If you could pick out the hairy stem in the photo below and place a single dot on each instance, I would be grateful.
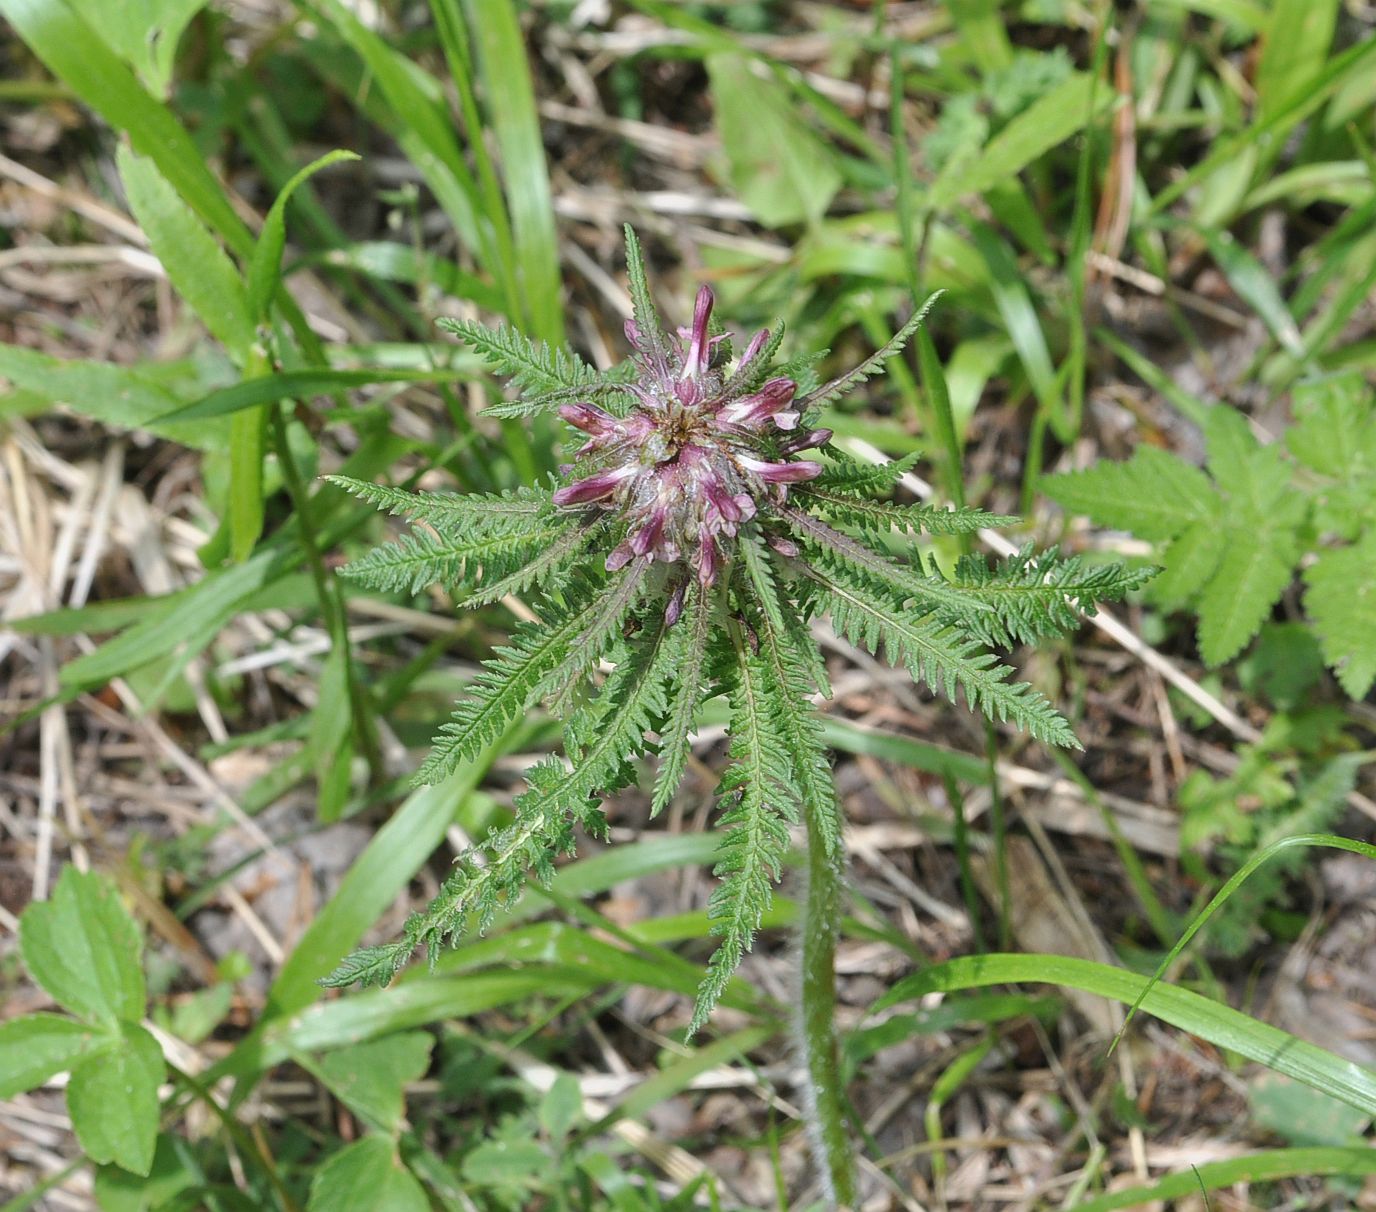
(823, 1095)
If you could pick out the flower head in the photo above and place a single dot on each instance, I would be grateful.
(699, 452)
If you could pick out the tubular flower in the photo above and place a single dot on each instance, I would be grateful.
(698, 453)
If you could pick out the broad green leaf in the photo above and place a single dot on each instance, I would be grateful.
(777, 164)
(173, 1171)
(113, 1101)
(511, 1166)
(1051, 119)
(329, 742)
(114, 395)
(265, 269)
(1334, 435)
(1201, 1016)
(266, 388)
(366, 1176)
(408, 1003)
(144, 33)
(561, 1107)
(1301, 1114)
(1154, 494)
(85, 950)
(37, 1046)
(371, 1077)
(1255, 477)
(196, 613)
(196, 264)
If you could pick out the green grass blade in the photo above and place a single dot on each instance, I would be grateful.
(1271, 1166)
(265, 269)
(1239, 878)
(510, 97)
(1342, 1079)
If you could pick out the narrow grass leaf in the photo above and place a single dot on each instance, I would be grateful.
(1210, 1020)
(265, 268)
(1268, 1167)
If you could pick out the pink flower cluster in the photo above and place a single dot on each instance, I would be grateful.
(691, 461)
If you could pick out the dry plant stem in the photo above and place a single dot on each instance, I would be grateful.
(823, 1096)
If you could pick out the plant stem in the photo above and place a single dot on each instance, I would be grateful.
(823, 1093)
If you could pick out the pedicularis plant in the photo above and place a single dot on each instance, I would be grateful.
(688, 544)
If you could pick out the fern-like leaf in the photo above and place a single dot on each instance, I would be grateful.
(935, 652)
(1035, 594)
(613, 607)
(872, 365)
(645, 317)
(829, 544)
(751, 376)
(676, 740)
(788, 677)
(513, 355)
(882, 517)
(518, 508)
(487, 879)
(846, 474)
(462, 564)
(758, 785)
(509, 684)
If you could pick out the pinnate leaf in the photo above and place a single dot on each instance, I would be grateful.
(1154, 494)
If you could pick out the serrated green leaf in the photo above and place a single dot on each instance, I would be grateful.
(1334, 435)
(113, 1101)
(1341, 602)
(1249, 580)
(1255, 477)
(85, 950)
(196, 264)
(1154, 494)
(35, 1047)
(367, 1176)
(1190, 560)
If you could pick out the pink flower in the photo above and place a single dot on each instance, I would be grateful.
(595, 487)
